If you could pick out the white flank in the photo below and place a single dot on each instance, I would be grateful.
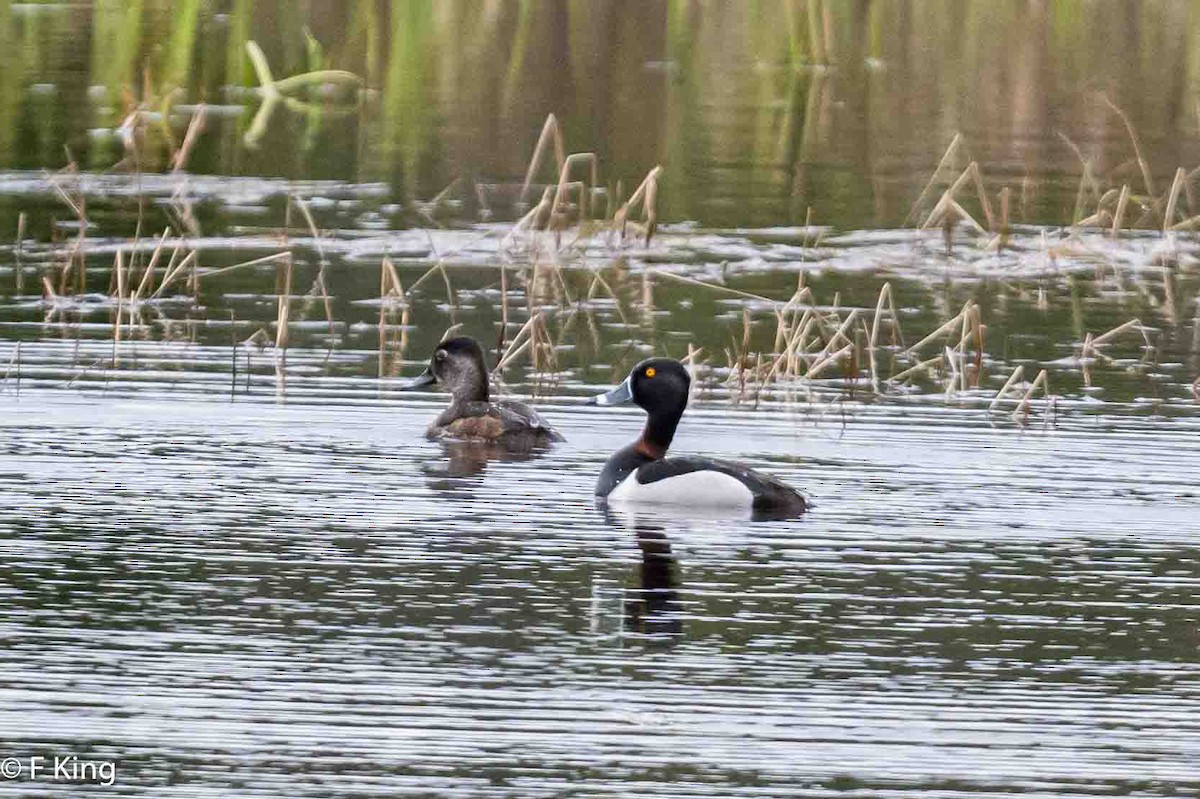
(703, 488)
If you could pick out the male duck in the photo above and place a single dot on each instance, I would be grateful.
(457, 363)
(640, 472)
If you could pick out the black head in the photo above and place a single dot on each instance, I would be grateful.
(457, 364)
(660, 387)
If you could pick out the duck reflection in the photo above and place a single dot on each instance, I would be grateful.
(465, 459)
(653, 608)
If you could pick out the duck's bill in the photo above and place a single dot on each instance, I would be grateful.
(619, 395)
(426, 378)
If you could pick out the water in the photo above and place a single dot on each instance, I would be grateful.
(239, 569)
(229, 606)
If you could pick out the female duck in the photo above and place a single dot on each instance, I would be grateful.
(457, 364)
(641, 473)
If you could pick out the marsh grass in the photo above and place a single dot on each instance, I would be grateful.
(583, 242)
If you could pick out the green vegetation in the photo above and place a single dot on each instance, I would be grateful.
(780, 105)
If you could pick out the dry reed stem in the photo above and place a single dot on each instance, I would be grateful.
(312, 225)
(1191, 223)
(941, 213)
(1041, 381)
(319, 285)
(387, 270)
(148, 275)
(513, 353)
(19, 274)
(980, 330)
(786, 361)
(745, 346)
(170, 276)
(551, 133)
(557, 216)
(690, 361)
(1169, 294)
(542, 332)
(1173, 199)
(781, 330)
(424, 275)
(981, 192)
(14, 361)
(920, 367)
(429, 209)
(645, 194)
(76, 208)
(943, 329)
(650, 206)
(1119, 329)
(872, 365)
(951, 151)
(953, 359)
(840, 332)
(1137, 149)
(1119, 215)
(885, 296)
(961, 180)
(530, 221)
(964, 216)
(503, 332)
(383, 308)
(195, 128)
(961, 349)
(390, 290)
(172, 262)
(518, 343)
(1100, 219)
(598, 278)
(266, 259)
(1087, 179)
(449, 289)
(830, 359)
(284, 309)
(937, 214)
(1012, 380)
(119, 267)
(1085, 359)
(716, 287)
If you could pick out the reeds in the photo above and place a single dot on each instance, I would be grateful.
(18, 257)
(798, 346)
(276, 92)
(572, 200)
(391, 298)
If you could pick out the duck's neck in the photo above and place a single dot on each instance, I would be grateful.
(473, 390)
(658, 433)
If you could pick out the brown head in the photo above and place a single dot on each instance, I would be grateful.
(457, 364)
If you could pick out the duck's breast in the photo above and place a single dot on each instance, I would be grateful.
(472, 428)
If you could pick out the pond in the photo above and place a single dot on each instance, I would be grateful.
(933, 264)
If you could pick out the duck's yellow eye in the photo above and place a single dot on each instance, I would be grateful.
(651, 372)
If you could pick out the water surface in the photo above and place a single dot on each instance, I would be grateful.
(299, 600)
